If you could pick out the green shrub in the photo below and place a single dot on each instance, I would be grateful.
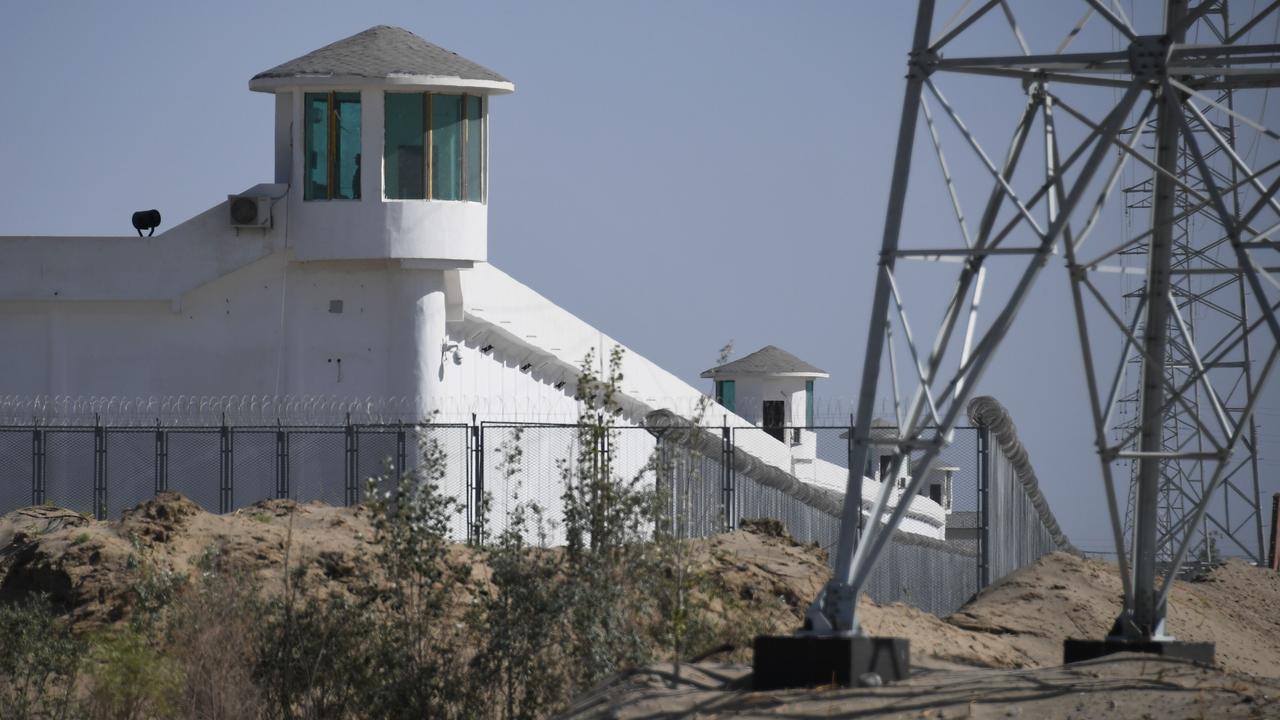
(211, 632)
(39, 662)
(517, 671)
(313, 660)
(130, 680)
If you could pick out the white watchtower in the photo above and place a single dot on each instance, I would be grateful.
(770, 388)
(382, 141)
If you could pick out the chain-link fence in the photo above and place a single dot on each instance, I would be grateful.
(977, 517)
(932, 563)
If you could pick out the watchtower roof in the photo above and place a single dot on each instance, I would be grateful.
(383, 54)
(768, 360)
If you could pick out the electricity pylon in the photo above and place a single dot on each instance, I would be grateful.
(1211, 303)
(1091, 106)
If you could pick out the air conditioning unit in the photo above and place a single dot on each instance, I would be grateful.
(249, 211)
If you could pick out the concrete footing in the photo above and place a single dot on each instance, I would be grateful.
(801, 661)
(1079, 650)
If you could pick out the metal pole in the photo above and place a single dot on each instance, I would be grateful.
(984, 508)
(282, 461)
(349, 464)
(477, 499)
(37, 465)
(401, 452)
(99, 470)
(919, 66)
(1274, 558)
(726, 475)
(1155, 340)
(224, 467)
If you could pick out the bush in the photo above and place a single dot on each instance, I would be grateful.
(39, 662)
(212, 635)
(518, 620)
(393, 649)
(313, 661)
(130, 680)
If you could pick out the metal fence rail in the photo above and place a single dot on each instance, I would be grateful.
(712, 478)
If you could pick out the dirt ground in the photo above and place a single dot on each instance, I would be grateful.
(1120, 686)
(999, 654)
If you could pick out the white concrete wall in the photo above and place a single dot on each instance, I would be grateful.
(750, 392)
(924, 517)
(164, 267)
(264, 329)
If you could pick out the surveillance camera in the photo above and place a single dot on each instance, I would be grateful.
(446, 348)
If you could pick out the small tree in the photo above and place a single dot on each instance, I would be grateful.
(519, 620)
(39, 662)
(418, 648)
(681, 589)
(607, 519)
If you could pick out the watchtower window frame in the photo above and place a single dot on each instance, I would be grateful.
(453, 132)
(323, 134)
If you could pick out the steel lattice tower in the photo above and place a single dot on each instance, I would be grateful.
(1096, 95)
(1218, 303)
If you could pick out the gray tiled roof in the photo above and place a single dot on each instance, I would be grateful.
(768, 360)
(379, 52)
(881, 429)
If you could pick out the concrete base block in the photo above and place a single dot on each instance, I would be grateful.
(1078, 650)
(797, 661)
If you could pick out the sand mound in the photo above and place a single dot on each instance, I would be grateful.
(764, 581)
(1063, 596)
(1014, 630)
(88, 568)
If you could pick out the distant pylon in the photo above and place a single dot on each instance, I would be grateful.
(1212, 305)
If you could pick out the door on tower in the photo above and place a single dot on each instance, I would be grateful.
(775, 418)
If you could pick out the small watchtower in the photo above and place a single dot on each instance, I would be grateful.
(770, 388)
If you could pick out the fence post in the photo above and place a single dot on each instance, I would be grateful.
(351, 455)
(1275, 532)
(848, 449)
(37, 465)
(475, 499)
(662, 483)
(401, 465)
(984, 508)
(225, 499)
(282, 461)
(727, 475)
(162, 459)
(99, 469)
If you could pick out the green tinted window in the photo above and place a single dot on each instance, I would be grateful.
(331, 168)
(446, 147)
(315, 170)
(725, 391)
(808, 403)
(404, 165)
(475, 148)
(346, 151)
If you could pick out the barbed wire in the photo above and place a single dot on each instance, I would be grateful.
(202, 410)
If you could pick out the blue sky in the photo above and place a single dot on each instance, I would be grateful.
(679, 174)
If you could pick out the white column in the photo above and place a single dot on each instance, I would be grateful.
(417, 336)
(372, 111)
